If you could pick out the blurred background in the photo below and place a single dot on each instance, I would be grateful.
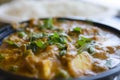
(104, 11)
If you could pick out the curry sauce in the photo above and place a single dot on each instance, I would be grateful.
(51, 48)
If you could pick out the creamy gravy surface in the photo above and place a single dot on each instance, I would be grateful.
(53, 48)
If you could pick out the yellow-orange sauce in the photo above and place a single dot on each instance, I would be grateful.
(50, 49)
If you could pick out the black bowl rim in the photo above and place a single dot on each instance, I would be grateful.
(109, 73)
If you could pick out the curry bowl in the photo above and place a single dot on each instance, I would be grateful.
(59, 48)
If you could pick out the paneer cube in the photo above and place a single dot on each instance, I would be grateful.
(44, 68)
(80, 64)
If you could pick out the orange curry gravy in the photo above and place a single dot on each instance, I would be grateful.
(53, 48)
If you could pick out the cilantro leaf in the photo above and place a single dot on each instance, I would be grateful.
(13, 68)
(56, 38)
(40, 44)
(83, 40)
(62, 52)
(59, 40)
(47, 24)
(35, 45)
(91, 49)
(62, 49)
(55, 35)
(83, 48)
(77, 29)
(61, 46)
(2, 57)
(32, 46)
(21, 34)
(11, 43)
(84, 44)
(35, 36)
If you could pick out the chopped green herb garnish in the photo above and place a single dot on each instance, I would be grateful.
(62, 49)
(2, 57)
(35, 45)
(83, 48)
(61, 46)
(13, 68)
(32, 46)
(12, 43)
(62, 52)
(55, 35)
(62, 40)
(40, 44)
(83, 44)
(91, 49)
(21, 34)
(56, 38)
(47, 24)
(35, 36)
(77, 29)
(83, 41)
